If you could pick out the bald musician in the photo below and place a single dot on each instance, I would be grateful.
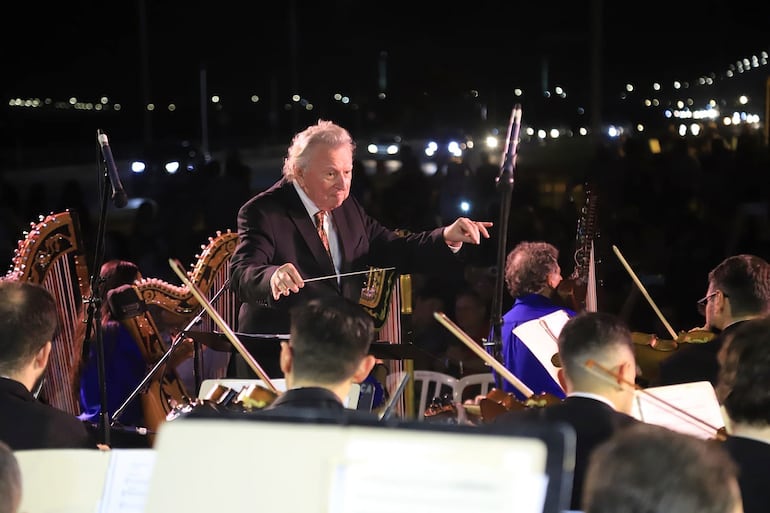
(596, 405)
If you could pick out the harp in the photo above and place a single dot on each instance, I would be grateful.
(151, 309)
(210, 273)
(52, 255)
(387, 298)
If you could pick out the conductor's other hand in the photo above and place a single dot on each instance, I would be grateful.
(466, 230)
(285, 280)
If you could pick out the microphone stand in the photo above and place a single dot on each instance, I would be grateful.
(174, 343)
(94, 313)
(504, 182)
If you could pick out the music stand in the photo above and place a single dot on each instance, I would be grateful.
(388, 351)
(215, 340)
(264, 348)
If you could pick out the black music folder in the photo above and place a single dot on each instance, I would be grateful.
(266, 351)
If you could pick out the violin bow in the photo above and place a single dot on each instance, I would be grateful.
(603, 372)
(644, 292)
(490, 360)
(176, 266)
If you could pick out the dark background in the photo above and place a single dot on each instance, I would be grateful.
(446, 65)
(415, 68)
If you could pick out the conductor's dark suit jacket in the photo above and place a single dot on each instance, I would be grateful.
(593, 421)
(274, 228)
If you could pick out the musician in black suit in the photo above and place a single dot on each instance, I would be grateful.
(279, 245)
(27, 325)
(328, 351)
(738, 290)
(743, 388)
(597, 404)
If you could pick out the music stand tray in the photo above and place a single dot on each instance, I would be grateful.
(388, 351)
(212, 339)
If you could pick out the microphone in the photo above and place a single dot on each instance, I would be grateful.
(119, 198)
(511, 144)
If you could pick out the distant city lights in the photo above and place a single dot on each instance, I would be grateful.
(650, 97)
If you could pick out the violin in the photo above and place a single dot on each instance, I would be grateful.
(650, 350)
(694, 336)
(496, 401)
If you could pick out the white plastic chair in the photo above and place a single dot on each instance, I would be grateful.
(430, 384)
(481, 382)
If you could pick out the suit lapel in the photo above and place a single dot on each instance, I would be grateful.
(306, 228)
(343, 228)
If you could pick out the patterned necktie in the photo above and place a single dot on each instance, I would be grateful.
(319, 224)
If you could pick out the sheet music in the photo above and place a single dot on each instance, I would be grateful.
(436, 485)
(542, 341)
(128, 481)
(698, 399)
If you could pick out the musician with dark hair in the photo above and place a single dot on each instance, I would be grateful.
(743, 388)
(327, 352)
(28, 320)
(738, 290)
(532, 274)
(651, 469)
(124, 364)
(307, 225)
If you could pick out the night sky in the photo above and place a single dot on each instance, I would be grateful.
(436, 51)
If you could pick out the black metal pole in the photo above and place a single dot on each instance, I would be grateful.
(504, 182)
(94, 318)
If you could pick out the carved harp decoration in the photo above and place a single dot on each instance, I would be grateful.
(387, 298)
(210, 272)
(52, 255)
